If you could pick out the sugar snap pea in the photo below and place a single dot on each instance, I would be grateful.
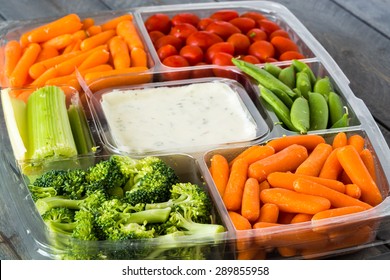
(300, 115)
(263, 77)
(343, 121)
(336, 110)
(303, 84)
(319, 112)
(323, 86)
(303, 67)
(279, 108)
(287, 100)
(287, 76)
(272, 68)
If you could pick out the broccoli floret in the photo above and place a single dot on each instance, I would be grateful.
(75, 184)
(190, 200)
(152, 183)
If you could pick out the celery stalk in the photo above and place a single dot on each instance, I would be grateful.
(80, 129)
(49, 130)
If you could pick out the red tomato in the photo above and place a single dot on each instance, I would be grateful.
(155, 35)
(190, 18)
(165, 51)
(256, 34)
(183, 30)
(202, 72)
(204, 22)
(244, 24)
(279, 32)
(222, 59)
(203, 39)
(262, 50)
(240, 42)
(256, 16)
(224, 15)
(193, 54)
(289, 55)
(176, 61)
(169, 40)
(160, 22)
(221, 47)
(223, 29)
(283, 44)
(251, 59)
(268, 26)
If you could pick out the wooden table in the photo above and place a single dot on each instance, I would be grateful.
(356, 34)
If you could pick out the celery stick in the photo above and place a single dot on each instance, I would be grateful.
(80, 129)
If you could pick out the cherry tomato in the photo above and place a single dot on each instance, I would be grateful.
(193, 54)
(224, 15)
(244, 24)
(262, 50)
(183, 30)
(155, 35)
(251, 59)
(176, 61)
(222, 59)
(279, 32)
(204, 22)
(169, 40)
(203, 39)
(283, 44)
(240, 42)
(201, 72)
(256, 16)
(190, 18)
(221, 47)
(165, 51)
(268, 26)
(289, 55)
(222, 28)
(256, 34)
(160, 22)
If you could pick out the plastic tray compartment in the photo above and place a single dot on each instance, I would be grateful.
(45, 246)
(313, 239)
(241, 102)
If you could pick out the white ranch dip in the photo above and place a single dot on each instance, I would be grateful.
(173, 118)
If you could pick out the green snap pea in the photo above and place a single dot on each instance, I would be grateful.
(343, 121)
(278, 107)
(303, 84)
(336, 110)
(297, 91)
(319, 111)
(303, 67)
(272, 68)
(300, 115)
(287, 100)
(323, 86)
(263, 77)
(287, 76)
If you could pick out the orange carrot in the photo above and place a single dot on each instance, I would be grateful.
(79, 35)
(219, 172)
(250, 206)
(336, 198)
(335, 212)
(264, 185)
(332, 167)
(113, 23)
(119, 52)
(285, 218)
(254, 153)
(65, 25)
(94, 30)
(49, 74)
(19, 76)
(264, 225)
(357, 141)
(269, 213)
(59, 42)
(87, 23)
(313, 164)
(310, 141)
(340, 140)
(97, 40)
(239, 222)
(12, 54)
(301, 218)
(46, 53)
(138, 57)
(234, 190)
(353, 190)
(127, 30)
(287, 159)
(369, 162)
(356, 170)
(98, 57)
(294, 202)
(285, 180)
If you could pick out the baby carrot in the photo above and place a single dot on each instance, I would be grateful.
(65, 25)
(269, 213)
(335, 212)
(87, 23)
(113, 23)
(357, 141)
(313, 164)
(250, 206)
(239, 222)
(265, 225)
(369, 162)
(59, 42)
(94, 30)
(98, 57)
(119, 52)
(336, 198)
(80, 34)
(287, 159)
(219, 172)
(301, 218)
(356, 170)
(310, 141)
(127, 30)
(254, 153)
(286, 179)
(46, 53)
(138, 57)
(332, 167)
(96, 40)
(285, 218)
(232, 197)
(19, 76)
(340, 140)
(353, 190)
(264, 185)
(294, 202)
(12, 54)
(47, 75)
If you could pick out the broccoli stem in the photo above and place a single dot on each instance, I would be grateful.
(45, 204)
(193, 228)
(169, 203)
(149, 216)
